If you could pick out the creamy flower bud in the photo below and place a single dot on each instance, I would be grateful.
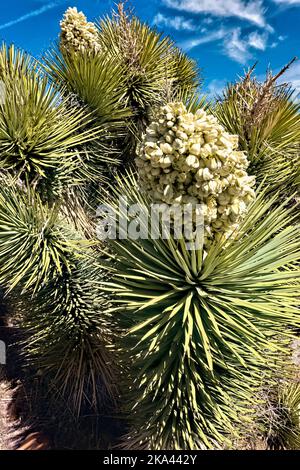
(206, 174)
(166, 148)
(181, 135)
(192, 161)
(195, 149)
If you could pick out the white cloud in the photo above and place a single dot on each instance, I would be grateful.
(208, 37)
(31, 14)
(287, 2)
(240, 48)
(176, 22)
(279, 39)
(252, 11)
(236, 47)
(258, 41)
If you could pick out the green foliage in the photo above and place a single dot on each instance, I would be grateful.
(152, 64)
(266, 118)
(69, 337)
(202, 330)
(48, 272)
(42, 138)
(14, 63)
(186, 73)
(35, 246)
(95, 80)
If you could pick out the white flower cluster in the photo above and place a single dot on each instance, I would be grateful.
(78, 34)
(188, 159)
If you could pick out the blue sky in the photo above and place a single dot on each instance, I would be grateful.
(224, 36)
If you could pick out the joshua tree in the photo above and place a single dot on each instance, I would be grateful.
(191, 335)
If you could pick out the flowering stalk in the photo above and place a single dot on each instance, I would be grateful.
(189, 159)
(78, 34)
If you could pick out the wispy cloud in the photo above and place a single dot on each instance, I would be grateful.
(208, 37)
(240, 48)
(31, 14)
(252, 11)
(174, 22)
(287, 2)
(236, 47)
(257, 40)
(234, 44)
(279, 39)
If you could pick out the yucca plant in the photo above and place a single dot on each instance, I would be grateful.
(49, 275)
(189, 335)
(266, 117)
(15, 63)
(93, 80)
(155, 70)
(132, 69)
(151, 62)
(42, 137)
(34, 246)
(201, 327)
(69, 339)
